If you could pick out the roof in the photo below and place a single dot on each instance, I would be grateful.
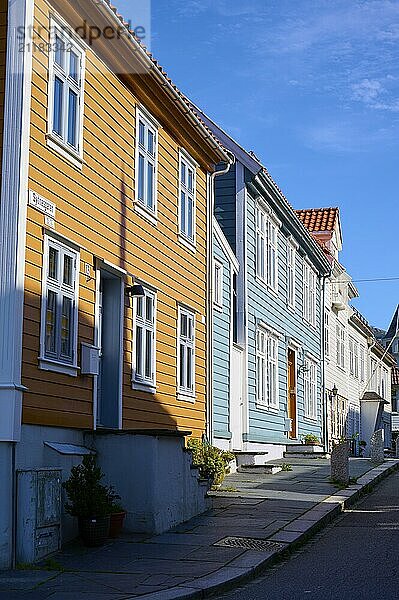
(394, 326)
(395, 376)
(372, 397)
(177, 95)
(319, 219)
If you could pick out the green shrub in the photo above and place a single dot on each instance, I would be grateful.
(87, 496)
(310, 438)
(211, 462)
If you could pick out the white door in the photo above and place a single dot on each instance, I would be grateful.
(236, 398)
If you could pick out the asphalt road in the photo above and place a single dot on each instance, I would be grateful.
(355, 558)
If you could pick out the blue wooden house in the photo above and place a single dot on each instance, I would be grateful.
(273, 394)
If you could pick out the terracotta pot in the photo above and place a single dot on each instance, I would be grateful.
(94, 530)
(116, 524)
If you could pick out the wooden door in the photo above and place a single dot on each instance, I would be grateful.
(291, 400)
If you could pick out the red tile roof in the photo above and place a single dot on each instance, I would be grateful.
(318, 219)
(395, 375)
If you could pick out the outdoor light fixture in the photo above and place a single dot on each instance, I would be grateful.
(334, 391)
(135, 291)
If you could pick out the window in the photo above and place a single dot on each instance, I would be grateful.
(309, 294)
(186, 352)
(266, 369)
(218, 284)
(66, 72)
(362, 363)
(59, 316)
(340, 332)
(266, 248)
(146, 162)
(327, 333)
(187, 199)
(290, 275)
(310, 388)
(144, 346)
(353, 357)
(384, 383)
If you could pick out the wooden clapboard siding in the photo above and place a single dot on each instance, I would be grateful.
(3, 51)
(95, 209)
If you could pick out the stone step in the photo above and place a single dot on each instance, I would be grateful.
(304, 449)
(250, 458)
(264, 469)
(308, 455)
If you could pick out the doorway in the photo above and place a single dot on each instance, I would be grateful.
(109, 340)
(291, 400)
(236, 398)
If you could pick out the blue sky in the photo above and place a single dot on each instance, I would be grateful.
(312, 87)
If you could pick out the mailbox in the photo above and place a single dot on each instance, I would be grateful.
(90, 360)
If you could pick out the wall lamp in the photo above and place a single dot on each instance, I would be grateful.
(135, 291)
(334, 392)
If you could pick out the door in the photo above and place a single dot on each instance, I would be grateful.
(291, 400)
(109, 334)
(236, 398)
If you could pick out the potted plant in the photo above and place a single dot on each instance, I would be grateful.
(89, 500)
(117, 516)
(212, 463)
(310, 439)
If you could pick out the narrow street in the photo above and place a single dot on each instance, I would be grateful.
(356, 557)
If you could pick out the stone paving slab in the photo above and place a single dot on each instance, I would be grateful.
(184, 563)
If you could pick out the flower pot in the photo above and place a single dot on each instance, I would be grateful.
(94, 530)
(116, 524)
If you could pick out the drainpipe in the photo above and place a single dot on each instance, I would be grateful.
(323, 370)
(209, 318)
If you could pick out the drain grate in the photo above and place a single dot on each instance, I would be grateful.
(250, 544)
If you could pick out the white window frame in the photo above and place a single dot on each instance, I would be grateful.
(141, 204)
(340, 345)
(309, 293)
(183, 391)
(327, 345)
(218, 276)
(291, 274)
(189, 164)
(141, 381)
(310, 388)
(266, 259)
(362, 370)
(267, 396)
(54, 361)
(59, 141)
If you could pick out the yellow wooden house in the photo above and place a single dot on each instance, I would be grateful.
(105, 227)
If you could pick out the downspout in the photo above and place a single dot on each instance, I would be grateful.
(209, 317)
(323, 370)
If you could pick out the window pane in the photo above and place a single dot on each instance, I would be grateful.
(53, 263)
(150, 186)
(139, 351)
(151, 145)
(68, 270)
(141, 178)
(72, 114)
(58, 107)
(182, 378)
(183, 173)
(148, 309)
(190, 219)
(66, 327)
(190, 324)
(51, 315)
(141, 133)
(183, 326)
(59, 51)
(191, 180)
(148, 354)
(189, 368)
(183, 213)
(74, 65)
(139, 307)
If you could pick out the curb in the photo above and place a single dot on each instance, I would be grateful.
(248, 566)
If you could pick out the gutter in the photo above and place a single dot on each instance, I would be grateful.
(209, 315)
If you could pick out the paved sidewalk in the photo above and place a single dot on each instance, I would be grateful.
(278, 511)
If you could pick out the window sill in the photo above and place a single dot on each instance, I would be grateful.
(144, 387)
(267, 409)
(217, 307)
(310, 419)
(64, 150)
(186, 397)
(264, 283)
(146, 213)
(47, 364)
(187, 243)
